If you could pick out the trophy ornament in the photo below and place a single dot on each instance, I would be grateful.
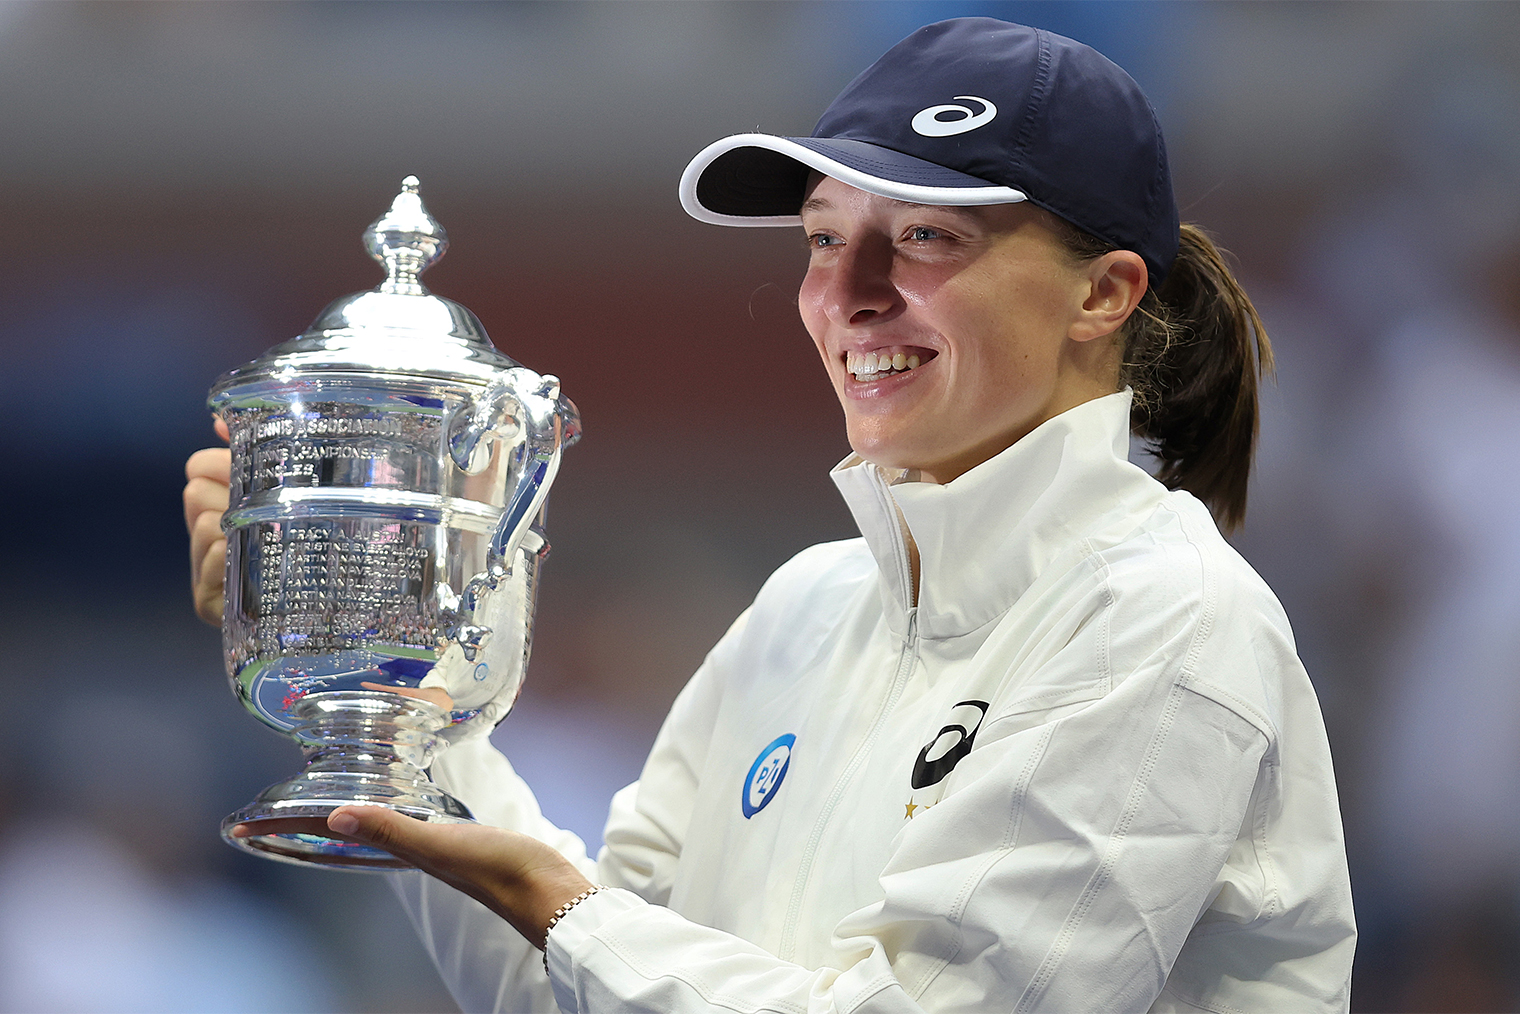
(406, 240)
(390, 470)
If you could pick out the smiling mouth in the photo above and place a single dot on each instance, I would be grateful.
(885, 362)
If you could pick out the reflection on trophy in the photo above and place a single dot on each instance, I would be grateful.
(389, 475)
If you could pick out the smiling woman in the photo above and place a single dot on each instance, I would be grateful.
(1038, 740)
(1003, 321)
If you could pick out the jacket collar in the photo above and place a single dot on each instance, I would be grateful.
(984, 538)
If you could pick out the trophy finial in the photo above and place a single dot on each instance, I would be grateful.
(406, 240)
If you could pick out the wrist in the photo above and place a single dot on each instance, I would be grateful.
(554, 900)
(563, 911)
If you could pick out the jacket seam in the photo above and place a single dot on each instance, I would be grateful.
(1264, 857)
(882, 982)
(960, 632)
(1053, 958)
(900, 559)
(1016, 811)
(1047, 970)
(1096, 561)
(1092, 688)
(1242, 708)
(1191, 1001)
(1247, 711)
(709, 995)
(1104, 682)
(1010, 839)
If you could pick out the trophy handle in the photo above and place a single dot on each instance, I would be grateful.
(549, 423)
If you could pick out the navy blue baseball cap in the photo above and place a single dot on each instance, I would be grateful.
(969, 111)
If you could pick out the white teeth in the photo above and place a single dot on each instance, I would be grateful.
(871, 365)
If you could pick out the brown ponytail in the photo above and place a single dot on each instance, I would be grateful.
(1193, 352)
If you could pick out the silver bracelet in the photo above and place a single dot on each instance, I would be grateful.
(561, 912)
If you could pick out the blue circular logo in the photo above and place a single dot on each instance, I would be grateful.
(765, 775)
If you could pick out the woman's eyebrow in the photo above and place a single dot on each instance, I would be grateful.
(815, 204)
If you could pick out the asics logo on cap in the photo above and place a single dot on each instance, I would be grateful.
(928, 123)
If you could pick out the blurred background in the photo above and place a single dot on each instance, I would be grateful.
(184, 185)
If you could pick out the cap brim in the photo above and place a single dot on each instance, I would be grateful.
(759, 179)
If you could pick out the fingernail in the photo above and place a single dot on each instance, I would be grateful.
(241, 831)
(343, 823)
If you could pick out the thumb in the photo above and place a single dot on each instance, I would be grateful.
(404, 837)
(474, 858)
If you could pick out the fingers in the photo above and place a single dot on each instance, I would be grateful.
(450, 851)
(519, 878)
(211, 463)
(206, 479)
(204, 498)
(454, 853)
(208, 582)
(205, 502)
(316, 826)
(207, 474)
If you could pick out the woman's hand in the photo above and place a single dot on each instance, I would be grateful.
(207, 476)
(519, 878)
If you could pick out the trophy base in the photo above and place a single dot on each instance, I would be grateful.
(363, 748)
(307, 849)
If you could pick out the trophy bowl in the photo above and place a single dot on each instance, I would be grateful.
(384, 532)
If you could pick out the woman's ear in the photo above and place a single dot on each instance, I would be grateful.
(1116, 281)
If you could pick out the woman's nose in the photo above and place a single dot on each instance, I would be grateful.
(860, 289)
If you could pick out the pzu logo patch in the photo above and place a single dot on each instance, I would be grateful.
(765, 775)
(949, 745)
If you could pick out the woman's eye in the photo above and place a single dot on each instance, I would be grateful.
(923, 234)
(819, 240)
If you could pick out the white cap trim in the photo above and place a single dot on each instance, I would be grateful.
(911, 192)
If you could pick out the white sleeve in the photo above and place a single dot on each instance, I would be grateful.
(485, 963)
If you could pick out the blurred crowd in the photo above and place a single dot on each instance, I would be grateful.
(186, 184)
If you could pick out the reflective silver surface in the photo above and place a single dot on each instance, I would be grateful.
(385, 528)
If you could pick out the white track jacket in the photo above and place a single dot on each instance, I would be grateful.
(1084, 771)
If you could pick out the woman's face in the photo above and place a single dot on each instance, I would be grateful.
(985, 300)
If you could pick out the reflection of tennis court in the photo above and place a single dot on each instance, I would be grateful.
(271, 687)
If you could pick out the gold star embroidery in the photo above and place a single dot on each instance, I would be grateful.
(910, 807)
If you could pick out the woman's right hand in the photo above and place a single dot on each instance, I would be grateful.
(207, 476)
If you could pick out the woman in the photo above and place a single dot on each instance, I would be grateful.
(1039, 740)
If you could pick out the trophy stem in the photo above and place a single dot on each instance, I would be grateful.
(362, 747)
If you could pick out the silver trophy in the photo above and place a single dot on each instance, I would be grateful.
(384, 534)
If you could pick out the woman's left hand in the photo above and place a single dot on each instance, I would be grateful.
(519, 878)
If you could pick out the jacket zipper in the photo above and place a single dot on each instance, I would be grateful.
(905, 665)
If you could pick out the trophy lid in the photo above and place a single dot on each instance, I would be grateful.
(398, 327)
